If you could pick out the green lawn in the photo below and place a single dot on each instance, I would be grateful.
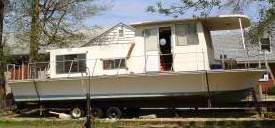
(13, 123)
(39, 124)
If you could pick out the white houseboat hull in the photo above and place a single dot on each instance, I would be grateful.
(224, 86)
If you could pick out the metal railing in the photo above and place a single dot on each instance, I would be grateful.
(241, 56)
(35, 70)
(189, 61)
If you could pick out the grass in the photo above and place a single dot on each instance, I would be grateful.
(14, 123)
(39, 124)
(52, 124)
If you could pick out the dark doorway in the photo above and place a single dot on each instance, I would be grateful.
(272, 67)
(166, 57)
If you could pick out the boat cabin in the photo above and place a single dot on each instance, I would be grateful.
(175, 45)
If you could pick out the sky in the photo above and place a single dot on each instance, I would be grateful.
(130, 11)
(126, 11)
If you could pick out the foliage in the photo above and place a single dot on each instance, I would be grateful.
(50, 23)
(265, 11)
(267, 17)
(271, 91)
(202, 7)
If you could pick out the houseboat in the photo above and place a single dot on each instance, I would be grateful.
(168, 63)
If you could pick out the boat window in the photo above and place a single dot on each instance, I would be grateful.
(114, 64)
(186, 34)
(265, 44)
(72, 63)
(151, 39)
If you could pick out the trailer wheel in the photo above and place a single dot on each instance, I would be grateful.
(97, 112)
(113, 112)
(77, 112)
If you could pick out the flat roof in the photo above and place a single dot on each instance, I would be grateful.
(221, 22)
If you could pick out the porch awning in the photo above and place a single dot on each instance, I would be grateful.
(221, 22)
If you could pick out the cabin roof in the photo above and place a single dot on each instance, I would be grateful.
(221, 22)
(106, 31)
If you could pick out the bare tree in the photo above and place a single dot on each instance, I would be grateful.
(50, 23)
(2, 64)
(265, 11)
(43, 23)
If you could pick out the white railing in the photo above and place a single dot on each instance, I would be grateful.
(189, 61)
(35, 70)
(241, 56)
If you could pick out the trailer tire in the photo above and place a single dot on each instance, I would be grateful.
(113, 112)
(97, 113)
(77, 112)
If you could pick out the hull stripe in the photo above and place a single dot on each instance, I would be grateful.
(113, 96)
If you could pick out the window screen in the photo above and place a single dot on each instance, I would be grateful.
(71, 63)
(151, 39)
(186, 34)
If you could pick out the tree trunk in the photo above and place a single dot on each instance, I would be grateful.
(35, 31)
(2, 64)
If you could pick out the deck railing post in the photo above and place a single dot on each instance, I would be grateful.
(19, 72)
(119, 66)
(14, 72)
(203, 57)
(242, 33)
(173, 60)
(29, 72)
(94, 68)
(243, 42)
(223, 63)
(145, 65)
(22, 71)
(72, 61)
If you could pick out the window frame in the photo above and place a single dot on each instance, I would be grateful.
(151, 46)
(187, 35)
(113, 65)
(64, 61)
(261, 44)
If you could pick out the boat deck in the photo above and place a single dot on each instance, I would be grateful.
(142, 74)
